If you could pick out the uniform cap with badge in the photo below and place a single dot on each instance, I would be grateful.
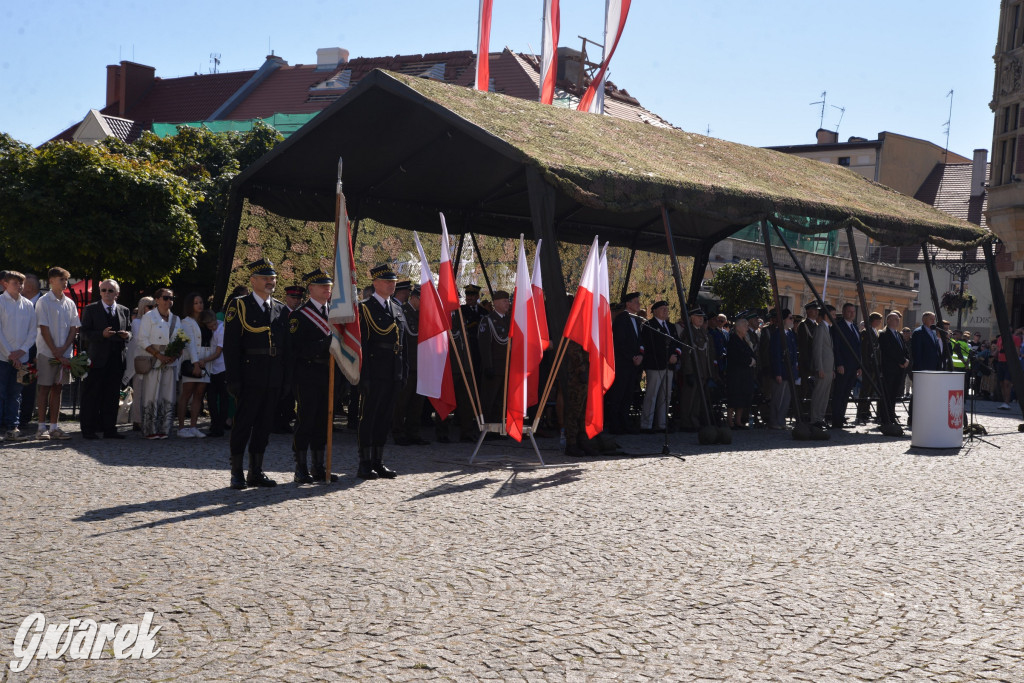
(383, 272)
(317, 277)
(263, 267)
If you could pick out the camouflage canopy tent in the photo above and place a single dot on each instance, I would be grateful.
(501, 166)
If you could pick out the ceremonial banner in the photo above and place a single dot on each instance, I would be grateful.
(549, 52)
(434, 372)
(483, 41)
(604, 311)
(446, 287)
(538, 300)
(615, 21)
(346, 346)
(524, 352)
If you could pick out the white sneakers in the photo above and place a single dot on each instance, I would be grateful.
(1005, 406)
(190, 433)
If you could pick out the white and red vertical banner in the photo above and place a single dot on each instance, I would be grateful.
(549, 52)
(446, 287)
(585, 327)
(483, 43)
(434, 371)
(614, 22)
(525, 350)
(541, 313)
(604, 312)
(346, 344)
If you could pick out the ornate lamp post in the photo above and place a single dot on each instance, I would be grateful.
(960, 270)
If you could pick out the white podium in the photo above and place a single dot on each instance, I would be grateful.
(938, 409)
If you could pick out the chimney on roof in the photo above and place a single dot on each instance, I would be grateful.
(329, 58)
(979, 172)
(826, 137)
(127, 82)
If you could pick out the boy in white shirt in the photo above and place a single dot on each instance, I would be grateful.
(17, 331)
(57, 317)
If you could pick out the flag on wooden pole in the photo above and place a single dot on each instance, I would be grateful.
(483, 41)
(446, 287)
(524, 351)
(538, 300)
(549, 52)
(604, 311)
(346, 344)
(615, 21)
(433, 370)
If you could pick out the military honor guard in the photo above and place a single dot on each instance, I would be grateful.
(255, 331)
(293, 296)
(409, 406)
(309, 353)
(472, 314)
(698, 367)
(385, 370)
(492, 337)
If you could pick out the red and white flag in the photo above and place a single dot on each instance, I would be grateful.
(538, 300)
(446, 287)
(614, 22)
(604, 311)
(434, 371)
(549, 52)
(524, 352)
(585, 327)
(483, 42)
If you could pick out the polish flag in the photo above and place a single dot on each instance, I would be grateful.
(584, 327)
(614, 22)
(604, 310)
(434, 371)
(483, 42)
(549, 52)
(538, 300)
(524, 352)
(446, 287)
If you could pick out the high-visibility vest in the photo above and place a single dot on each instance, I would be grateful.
(961, 351)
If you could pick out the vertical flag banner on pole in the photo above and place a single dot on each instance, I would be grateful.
(615, 21)
(604, 311)
(446, 287)
(346, 346)
(524, 351)
(434, 370)
(538, 300)
(483, 42)
(549, 52)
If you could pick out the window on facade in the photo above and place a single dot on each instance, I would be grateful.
(844, 161)
(1013, 32)
(1015, 119)
(1006, 119)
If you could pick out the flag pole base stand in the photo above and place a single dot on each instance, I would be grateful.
(499, 429)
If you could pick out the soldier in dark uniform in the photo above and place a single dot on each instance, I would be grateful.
(309, 353)
(409, 406)
(293, 295)
(255, 329)
(463, 414)
(629, 354)
(805, 332)
(473, 313)
(385, 369)
(493, 339)
(698, 367)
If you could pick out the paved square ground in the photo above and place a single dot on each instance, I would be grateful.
(856, 559)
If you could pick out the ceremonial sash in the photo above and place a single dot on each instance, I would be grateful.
(317, 320)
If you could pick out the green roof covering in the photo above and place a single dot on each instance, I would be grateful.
(285, 124)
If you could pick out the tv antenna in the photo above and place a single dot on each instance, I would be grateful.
(215, 61)
(824, 98)
(946, 125)
(707, 132)
(842, 113)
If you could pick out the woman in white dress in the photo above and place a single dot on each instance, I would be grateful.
(157, 328)
(146, 305)
(193, 385)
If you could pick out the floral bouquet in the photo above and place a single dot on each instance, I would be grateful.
(78, 366)
(177, 344)
(27, 374)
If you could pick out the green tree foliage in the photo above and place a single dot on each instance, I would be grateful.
(94, 212)
(208, 162)
(743, 285)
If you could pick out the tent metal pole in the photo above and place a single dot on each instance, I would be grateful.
(876, 378)
(779, 325)
(458, 252)
(629, 266)
(700, 264)
(678, 277)
(480, 260)
(931, 282)
(1003, 318)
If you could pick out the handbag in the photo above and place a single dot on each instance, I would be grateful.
(144, 364)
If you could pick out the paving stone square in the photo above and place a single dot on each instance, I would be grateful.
(860, 558)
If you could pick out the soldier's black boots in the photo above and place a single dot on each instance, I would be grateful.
(378, 464)
(237, 475)
(365, 464)
(319, 472)
(256, 475)
(301, 473)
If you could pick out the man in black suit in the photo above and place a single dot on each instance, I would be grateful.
(106, 329)
(255, 329)
(629, 354)
(804, 341)
(925, 345)
(847, 360)
(895, 361)
(662, 351)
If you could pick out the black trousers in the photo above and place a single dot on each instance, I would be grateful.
(311, 418)
(408, 409)
(217, 400)
(893, 388)
(28, 394)
(841, 388)
(101, 394)
(618, 400)
(376, 410)
(254, 417)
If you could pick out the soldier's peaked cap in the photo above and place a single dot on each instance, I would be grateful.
(471, 289)
(383, 272)
(317, 277)
(501, 294)
(404, 284)
(262, 267)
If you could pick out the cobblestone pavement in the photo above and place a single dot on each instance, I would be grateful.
(861, 558)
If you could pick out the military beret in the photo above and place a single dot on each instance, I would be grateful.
(262, 267)
(383, 272)
(658, 304)
(501, 294)
(629, 297)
